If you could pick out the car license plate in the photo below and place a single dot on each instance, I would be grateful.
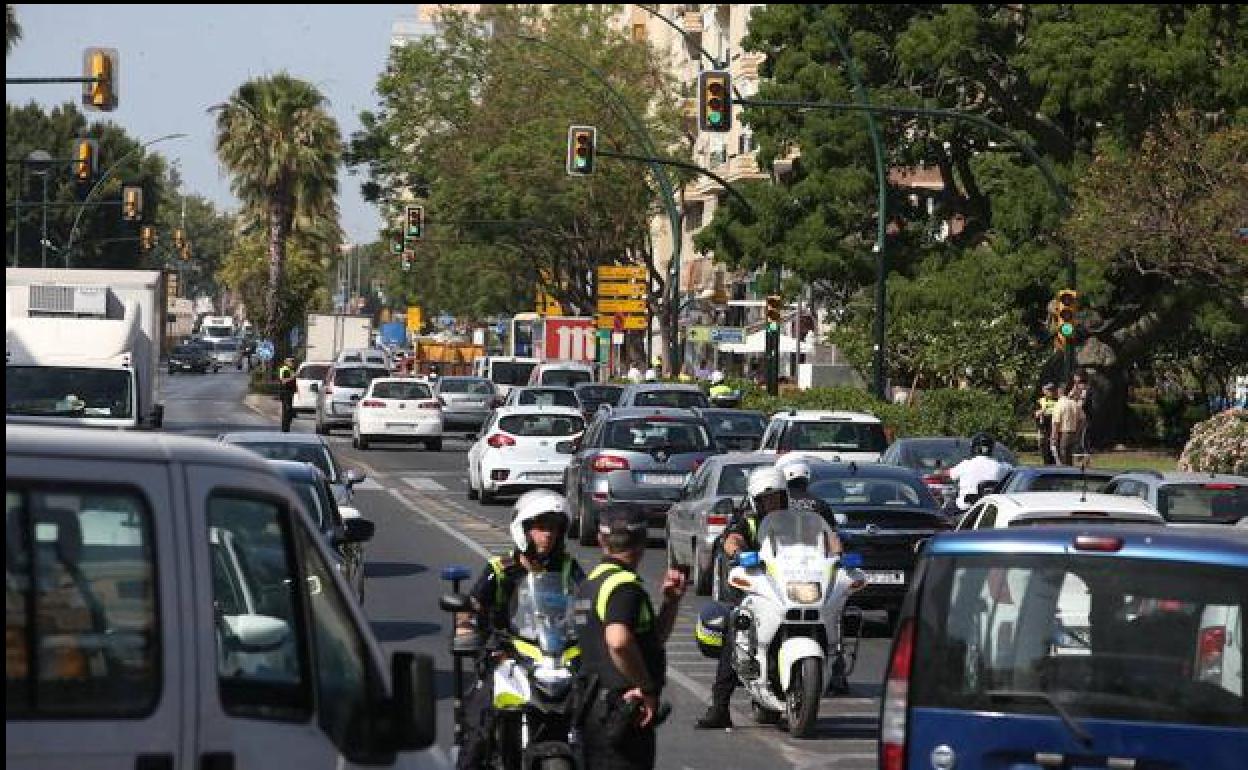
(886, 577)
(662, 479)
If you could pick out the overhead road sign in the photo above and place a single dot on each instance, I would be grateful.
(630, 290)
(621, 306)
(628, 322)
(622, 273)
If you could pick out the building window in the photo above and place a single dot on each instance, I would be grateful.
(639, 33)
(693, 217)
(745, 144)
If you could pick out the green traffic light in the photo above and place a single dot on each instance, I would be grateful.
(715, 117)
(1067, 330)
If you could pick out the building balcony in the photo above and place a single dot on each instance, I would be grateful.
(745, 65)
(741, 167)
(691, 22)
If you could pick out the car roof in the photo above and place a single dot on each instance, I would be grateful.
(525, 388)
(579, 365)
(92, 443)
(396, 379)
(1183, 477)
(298, 471)
(814, 415)
(821, 469)
(1062, 470)
(633, 412)
(638, 386)
(1015, 503)
(586, 385)
(562, 411)
(740, 458)
(316, 363)
(271, 437)
(1215, 546)
(722, 412)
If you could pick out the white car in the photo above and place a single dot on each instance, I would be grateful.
(397, 409)
(308, 373)
(366, 356)
(837, 437)
(517, 450)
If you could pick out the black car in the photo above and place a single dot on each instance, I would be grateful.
(735, 430)
(932, 457)
(190, 358)
(885, 513)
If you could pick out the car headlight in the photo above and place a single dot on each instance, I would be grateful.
(803, 592)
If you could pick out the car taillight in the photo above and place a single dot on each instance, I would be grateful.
(896, 693)
(371, 404)
(1209, 653)
(1101, 543)
(716, 520)
(606, 463)
(500, 440)
(429, 405)
(936, 479)
(1219, 486)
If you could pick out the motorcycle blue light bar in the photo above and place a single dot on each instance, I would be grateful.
(456, 572)
(748, 559)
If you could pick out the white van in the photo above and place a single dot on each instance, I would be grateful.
(506, 372)
(566, 374)
(170, 604)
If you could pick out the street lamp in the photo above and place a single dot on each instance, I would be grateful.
(40, 162)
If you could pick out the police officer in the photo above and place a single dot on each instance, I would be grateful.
(623, 665)
(539, 523)
(766, 491)
(286, 391)
(1044, 421)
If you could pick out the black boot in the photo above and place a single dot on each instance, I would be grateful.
(715, 718)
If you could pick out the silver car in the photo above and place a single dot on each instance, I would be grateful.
(696, 521)
(641, 458)
(466, 401)
(337, 396)
(543, 395)
(228, 353)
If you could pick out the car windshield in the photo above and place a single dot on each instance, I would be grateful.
(594, 396)
(1067, 482)
(928, 455)
(733, 479)
(470, 387)
(565, 378)
(1107, 638)
(833, 435)
(1212, 501)
(737, 424)
(511, 372)
(646, 434)
(217, 331)
(401, 390)
(548, 398)
(357, 377)
(56, 391)
(185, 350)
(304, 453)
(541, 424)
(677, 399)
(312, 372)
(853, 490)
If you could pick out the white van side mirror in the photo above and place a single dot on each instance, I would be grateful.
(257, 633)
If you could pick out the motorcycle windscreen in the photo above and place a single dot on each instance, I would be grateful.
(543, 613)
(790, 528)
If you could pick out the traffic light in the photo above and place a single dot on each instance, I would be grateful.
(100, 92)
(774, 309)
(715, 101)
(147, 238)
(415, 223)
(1065, 313)
(131, 203)
(582, 144)
(407, 261)
(179, 239)
(86, 160)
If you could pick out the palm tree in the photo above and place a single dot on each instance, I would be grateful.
(282, 150)
(12, 30)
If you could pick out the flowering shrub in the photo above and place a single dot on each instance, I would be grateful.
(1218, 445)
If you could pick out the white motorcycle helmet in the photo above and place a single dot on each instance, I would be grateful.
(717, 377)
(765, 480)
(532, 505)
(795, 470)
(651, 375)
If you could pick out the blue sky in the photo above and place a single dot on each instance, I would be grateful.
(178, 60)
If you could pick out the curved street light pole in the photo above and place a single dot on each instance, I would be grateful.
(73, 231)
(636, 127)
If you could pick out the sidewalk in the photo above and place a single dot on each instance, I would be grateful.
(267, 407)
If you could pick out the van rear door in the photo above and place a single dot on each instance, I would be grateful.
(1083, 659)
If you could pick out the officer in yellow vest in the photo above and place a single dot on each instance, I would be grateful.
(286, 392)
(1044, 421)
(539, 525)
(623, 664)
(719, 388)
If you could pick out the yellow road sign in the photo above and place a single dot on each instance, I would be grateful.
(622, 289)
(415, 320)
(621, 306)
(628, 323)
(621, 273)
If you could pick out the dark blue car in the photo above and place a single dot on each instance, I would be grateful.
(1071, 647)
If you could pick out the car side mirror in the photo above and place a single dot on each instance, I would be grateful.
(353, 477)
(454, 603)
(724, 506)
(315, 387)
(257, 633)
(972, 498)
(358, 529)
(414, 715)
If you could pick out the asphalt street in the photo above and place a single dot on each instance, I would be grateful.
(425, 522)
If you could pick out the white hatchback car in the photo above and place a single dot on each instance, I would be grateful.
(308, 373)
(827, 435)
(517, 450)
(398, 409)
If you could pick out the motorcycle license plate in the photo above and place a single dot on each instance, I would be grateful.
(886, 577)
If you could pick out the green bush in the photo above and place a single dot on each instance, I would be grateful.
(1218, 445)
(262, 382)
(938, 412)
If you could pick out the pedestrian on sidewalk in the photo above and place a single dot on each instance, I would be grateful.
(1068, 421)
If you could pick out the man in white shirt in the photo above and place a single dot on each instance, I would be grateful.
(981, 466)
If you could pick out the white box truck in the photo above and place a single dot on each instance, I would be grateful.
(329, 335)
(82, 347)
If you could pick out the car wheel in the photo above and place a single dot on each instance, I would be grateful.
(362, 443)
(434, 445)
(588, 527)
(487, 497)
(472, 489)
(321, 428)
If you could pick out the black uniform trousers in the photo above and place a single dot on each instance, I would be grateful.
(478, 724)
(288, 409)
(639, 752)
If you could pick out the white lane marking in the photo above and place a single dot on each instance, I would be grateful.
(368, 485)
(422, 484)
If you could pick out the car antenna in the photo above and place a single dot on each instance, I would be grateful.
(1083, 475)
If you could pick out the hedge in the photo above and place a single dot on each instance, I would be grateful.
(1218, 445)
(261, 381)
(945, 412)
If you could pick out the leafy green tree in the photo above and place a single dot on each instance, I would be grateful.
(475, 125)
(12, 30)
(245, 269)
(282, 149)
(1065, 78)
(102, 240)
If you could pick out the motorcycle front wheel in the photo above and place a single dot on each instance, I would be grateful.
(802, 698)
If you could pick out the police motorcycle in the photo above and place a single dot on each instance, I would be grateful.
(788, 625)
(534, 726)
